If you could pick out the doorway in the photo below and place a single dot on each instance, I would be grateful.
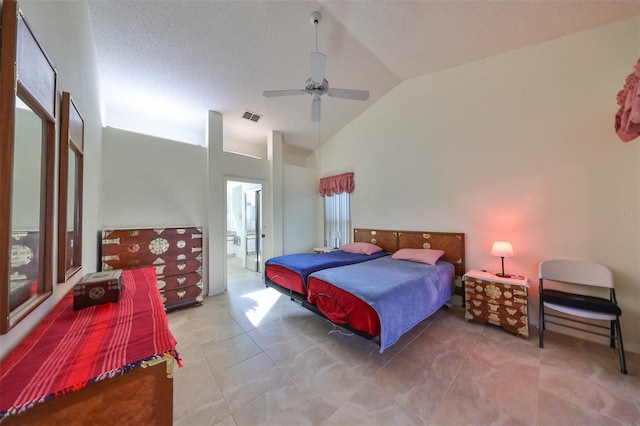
(244, 230)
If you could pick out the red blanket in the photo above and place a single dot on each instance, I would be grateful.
(71, 349)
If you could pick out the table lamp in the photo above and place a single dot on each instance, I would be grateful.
(336, 238)
(502, 249)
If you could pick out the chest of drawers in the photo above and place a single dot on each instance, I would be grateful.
(498, 301)
(175, 253)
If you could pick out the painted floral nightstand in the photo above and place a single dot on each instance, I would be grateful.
(498, 301)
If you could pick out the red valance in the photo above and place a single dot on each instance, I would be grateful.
(332, 185)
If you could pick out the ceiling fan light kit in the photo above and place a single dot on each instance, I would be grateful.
(317, 85)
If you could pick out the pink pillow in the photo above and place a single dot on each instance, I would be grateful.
(360, 248)
(419, 255)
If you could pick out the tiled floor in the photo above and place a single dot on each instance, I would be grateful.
(251, 356)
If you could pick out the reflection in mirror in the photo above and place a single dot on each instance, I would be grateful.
(70, 197)
(25, 208)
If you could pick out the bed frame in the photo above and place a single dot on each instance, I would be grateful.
(391, 241)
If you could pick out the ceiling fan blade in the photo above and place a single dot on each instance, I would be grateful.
(273, 93)
(359, 95)
(315, 110)
(318, 64)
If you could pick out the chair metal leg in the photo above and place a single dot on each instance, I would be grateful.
(613, 337)
(623, 364)
(541, 326)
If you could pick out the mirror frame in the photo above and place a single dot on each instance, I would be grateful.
(25, 72)
(71, 139)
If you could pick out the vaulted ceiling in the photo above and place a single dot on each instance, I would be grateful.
(164, 64)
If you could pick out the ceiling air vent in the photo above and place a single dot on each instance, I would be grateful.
(251, 116)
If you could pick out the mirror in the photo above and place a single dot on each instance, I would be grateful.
(25, 207)
(70, 197)
(27, 161)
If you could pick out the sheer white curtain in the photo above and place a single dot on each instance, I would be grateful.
(337, 220)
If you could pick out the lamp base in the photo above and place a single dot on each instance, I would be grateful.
(503, 275)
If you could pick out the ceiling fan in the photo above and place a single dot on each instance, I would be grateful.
(317, 85)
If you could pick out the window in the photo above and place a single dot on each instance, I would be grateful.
(337, 220)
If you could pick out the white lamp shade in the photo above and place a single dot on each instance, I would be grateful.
(502, 249)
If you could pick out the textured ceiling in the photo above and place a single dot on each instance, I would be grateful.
(164, 64)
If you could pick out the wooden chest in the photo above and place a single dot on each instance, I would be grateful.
(175, 253)
(97, 288)
(498, 301)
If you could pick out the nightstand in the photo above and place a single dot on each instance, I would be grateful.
(491, 299)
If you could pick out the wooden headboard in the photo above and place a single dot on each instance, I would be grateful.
(387, 240)
(391, 241)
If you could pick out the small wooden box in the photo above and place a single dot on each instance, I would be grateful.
(97, 288)
(498, 301)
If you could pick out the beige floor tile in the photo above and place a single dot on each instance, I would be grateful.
(554, 410)
(509, 343)
(435, 357)
(272, 334)
(370, 406)
(413, 386)
(583, 391)
(579, 355)
(204, 414)
(189, 352)
(193, 387)
(330, 381)
(218, 331)
(247, 380)
(460, 341)
(253, 358)
(283, 405)
(298, 354)
(484, 394)
(224, 354)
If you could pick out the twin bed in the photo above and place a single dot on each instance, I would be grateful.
(381, 295)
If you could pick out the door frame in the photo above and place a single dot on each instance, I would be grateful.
(266, 216)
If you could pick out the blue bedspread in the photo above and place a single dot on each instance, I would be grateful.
(307, 263)
(403, 293)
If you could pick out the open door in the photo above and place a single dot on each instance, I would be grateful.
(253, 229)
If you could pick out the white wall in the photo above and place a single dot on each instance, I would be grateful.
(64, 31)
(517, 147)
(300, 209)
(150, 182)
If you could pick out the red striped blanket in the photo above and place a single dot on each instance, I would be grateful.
(70, 349)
